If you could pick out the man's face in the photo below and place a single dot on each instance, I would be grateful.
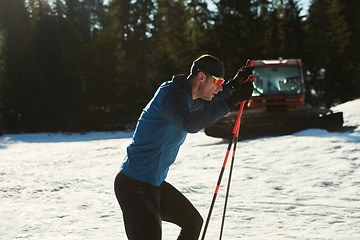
(209, 88)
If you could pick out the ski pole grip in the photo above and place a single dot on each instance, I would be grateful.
(251, 78)
(249, 63)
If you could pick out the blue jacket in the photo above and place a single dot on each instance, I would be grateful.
(162, 127)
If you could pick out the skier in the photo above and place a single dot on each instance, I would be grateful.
(180, 106)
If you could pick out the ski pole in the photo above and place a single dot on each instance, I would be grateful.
(235, 134)
(232, 166)
(235, 129)
(238, 120)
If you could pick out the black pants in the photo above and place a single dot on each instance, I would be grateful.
(144, 206)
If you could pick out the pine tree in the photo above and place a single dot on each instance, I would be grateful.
(327, 38)
(350, 11)
(173, 38)
(293, 31)
(127, 51)
(262, 28)
(51, 108)
(234, 33)
(201, 27)
(15, 30)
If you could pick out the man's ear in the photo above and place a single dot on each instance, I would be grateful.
(201, 76)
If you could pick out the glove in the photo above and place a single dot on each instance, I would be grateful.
(241, 76)
(241, 93)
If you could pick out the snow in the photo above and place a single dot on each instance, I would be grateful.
(350, 111)
(301, 186)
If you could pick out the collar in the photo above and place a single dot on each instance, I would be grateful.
(183, 82)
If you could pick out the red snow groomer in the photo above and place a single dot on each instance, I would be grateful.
(279, 84)
(277, 106)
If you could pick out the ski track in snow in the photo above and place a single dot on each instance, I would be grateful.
(301, 186)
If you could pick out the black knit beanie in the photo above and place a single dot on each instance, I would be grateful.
(208, 64)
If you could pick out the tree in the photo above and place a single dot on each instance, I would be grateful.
(293, 31)
(127, 52)
(201, 27)
(15, 29)
(327, 38)
(172, 39)
(234, 33)
(52, 98)
(352, 51)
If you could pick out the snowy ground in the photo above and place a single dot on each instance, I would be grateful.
(302, 186)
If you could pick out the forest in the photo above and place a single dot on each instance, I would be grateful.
(87, 65)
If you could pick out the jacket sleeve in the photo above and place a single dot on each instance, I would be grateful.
(175, 108)
(199, 103)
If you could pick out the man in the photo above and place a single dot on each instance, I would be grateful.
(180, 106)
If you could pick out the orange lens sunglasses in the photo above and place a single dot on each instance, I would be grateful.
(218, 80)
